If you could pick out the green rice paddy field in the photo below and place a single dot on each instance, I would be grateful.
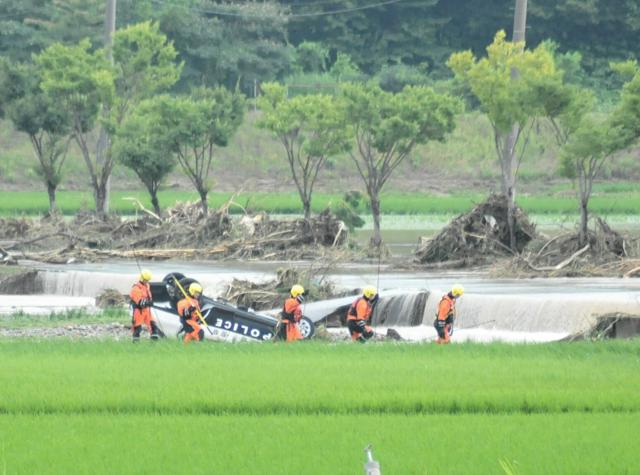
(618, 199)
(111, 407)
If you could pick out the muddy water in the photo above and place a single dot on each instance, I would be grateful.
(490, 306)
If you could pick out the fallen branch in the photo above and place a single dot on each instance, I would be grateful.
(633, 271)
(562, 264)
(547, 244)
(142, 208)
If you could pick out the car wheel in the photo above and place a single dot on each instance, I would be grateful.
(168, 279)
(307, 328)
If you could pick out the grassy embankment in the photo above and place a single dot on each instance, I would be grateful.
(618, 199)
(110, 407)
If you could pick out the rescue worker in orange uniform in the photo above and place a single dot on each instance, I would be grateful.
(359, 315)
(290, 315)
(141, 301)
(446, 314)
(188, 309)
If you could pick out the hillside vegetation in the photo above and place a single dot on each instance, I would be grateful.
(465, 162)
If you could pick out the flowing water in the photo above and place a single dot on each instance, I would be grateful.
(555, 307)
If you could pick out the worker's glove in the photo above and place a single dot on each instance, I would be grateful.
(361, 324)
(145, 303)
(440, 324)
(189, 311)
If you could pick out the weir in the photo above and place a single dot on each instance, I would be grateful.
(564, 313)
(91, 284)
(523, 306)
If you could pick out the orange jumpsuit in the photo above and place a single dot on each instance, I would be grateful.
(357, 318)
(141, 301)
(444, 319)
(291, 315)
(189, 318)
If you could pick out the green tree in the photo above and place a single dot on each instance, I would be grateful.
(626, 115)
(145, 63)
(140, 143)
(402, 32)
(46, 125)
(70, 21)
(582, 158)
(311, 57)
(81, 83)
(84, 84)
(386, 127)
(581, 141)
(23, 28)
(247, 42)
(195, 125)
(311, 129)
(511, 101)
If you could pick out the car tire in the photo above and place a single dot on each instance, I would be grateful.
(307, 328)
(168, 279)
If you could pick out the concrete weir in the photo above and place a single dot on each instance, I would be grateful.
(553, 308)
(552, 316)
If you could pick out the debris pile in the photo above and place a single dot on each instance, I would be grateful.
(473, 237)
(272, 294)
(605, 253)
(111, 298)
(611, 325)
(184, 232)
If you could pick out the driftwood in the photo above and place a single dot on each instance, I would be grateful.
(561, 265)
(184, 232)
(474, 236)
(272, 294)
(606, 253)
(632, 272)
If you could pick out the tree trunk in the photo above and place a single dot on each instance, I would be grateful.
(155, 202)
(583, 235)
(507, 164)
(100, 194)
(376, 239)
(51, 191)
(102, 159)
(584, 221)
(203, 202)
(306, 205)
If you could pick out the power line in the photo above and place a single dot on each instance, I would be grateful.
(345, 10)
(304, 3)
(292, 15)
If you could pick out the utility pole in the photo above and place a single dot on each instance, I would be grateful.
(103, 160)
(109, 28)
(508, 160)
(520, 20)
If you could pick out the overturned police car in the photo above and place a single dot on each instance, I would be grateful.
(224, 321)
